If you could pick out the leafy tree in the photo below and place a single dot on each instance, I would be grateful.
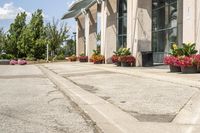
(70, 47)
(24, 44)
(14, 34)
(2, 40)
(56, 35)
(37, 40)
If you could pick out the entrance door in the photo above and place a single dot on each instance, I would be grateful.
(164, 27)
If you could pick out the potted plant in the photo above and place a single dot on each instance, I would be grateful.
(197, 62)
(172, 61)
(22, 62)
(172, 58)
(187, 64)
(115, 57)
(115, 60)
(72, 58)
(97, 58)
(126, 58)
(13, 62)
(83, 58)
(182, 58)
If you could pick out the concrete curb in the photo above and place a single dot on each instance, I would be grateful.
(109, 118)
(190, 114)
(138, 73)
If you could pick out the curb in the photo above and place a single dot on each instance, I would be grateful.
(109, 118)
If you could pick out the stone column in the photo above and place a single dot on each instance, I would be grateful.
(189, 20)
(80, 41)
(91, 30)
(110, 35)
(197, 25)
(139, 27)
(103, 26)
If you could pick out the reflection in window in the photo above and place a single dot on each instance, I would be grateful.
(164, 25)
(122, 24)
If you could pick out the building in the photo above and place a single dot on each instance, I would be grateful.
(141, 25)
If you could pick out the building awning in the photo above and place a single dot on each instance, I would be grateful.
(76, 7)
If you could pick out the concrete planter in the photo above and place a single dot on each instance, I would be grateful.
(125, 64)
(83, 60)
(98, 62)
(118, 63)
(189, 69)
(4, 62)
(174, 68)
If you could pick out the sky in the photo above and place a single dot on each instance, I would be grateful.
(51, 9)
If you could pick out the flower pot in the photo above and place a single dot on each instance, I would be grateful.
(118, 63)
(98, 62)
(125, 64)
(189, 69)
(174, 68)
(83, 60)
(198, 68)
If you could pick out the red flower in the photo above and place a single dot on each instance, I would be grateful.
(127, 59)
(197, 59)
(83, 57)
(115, 58)
(171, 60)
(186, 61)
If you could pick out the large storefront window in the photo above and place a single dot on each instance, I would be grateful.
(164, 28)
(122, 24)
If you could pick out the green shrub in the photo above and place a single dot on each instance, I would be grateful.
(60, 57)
(6, 56)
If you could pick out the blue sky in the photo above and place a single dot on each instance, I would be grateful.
(51, 8)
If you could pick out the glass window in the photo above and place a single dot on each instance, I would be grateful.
(122, 24)
(164, 24)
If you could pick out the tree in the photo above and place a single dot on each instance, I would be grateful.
(56, 35)
(2, 40)
(70, 47)
(14, 34)
(38, 35)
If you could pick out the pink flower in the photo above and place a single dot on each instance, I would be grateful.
(171, 60)
(22, 62)
(13, 62)
(186, 61)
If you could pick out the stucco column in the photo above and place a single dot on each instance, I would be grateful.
(189, 20)
(197, 25)
(91, 30)
(139, 28)
(87, 26)
(103, 26)
(110, 29)
(80, 42)
(132, 31)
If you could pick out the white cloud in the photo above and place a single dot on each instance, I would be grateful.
(9, 11)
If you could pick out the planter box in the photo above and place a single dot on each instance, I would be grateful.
(4, 62)
(125, 64)
(174, 68)
(191, 69)
(118, 64)
(98, 62)
(83, 60)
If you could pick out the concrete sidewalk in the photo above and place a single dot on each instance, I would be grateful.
(137, 93)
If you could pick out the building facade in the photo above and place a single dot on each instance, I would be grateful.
(141, 25)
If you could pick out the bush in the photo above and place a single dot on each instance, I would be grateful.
(31, 59)
(72, 58)
(60, 57)
(6, 56)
